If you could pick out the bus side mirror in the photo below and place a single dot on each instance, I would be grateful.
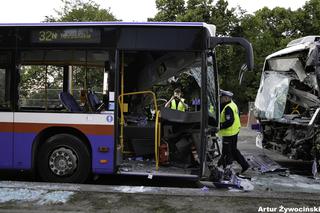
(215, 41)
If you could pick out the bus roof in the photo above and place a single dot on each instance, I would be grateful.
(177, 36)
(111, 23)
(211, 28)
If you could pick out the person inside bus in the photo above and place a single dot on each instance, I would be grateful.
(229, 130)
(177, 102)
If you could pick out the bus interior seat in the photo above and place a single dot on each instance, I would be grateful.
(69, 102)
(94, 102)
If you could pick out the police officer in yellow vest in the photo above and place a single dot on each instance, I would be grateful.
(229, 130)
(177, 102)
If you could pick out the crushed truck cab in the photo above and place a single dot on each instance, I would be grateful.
(287, 104)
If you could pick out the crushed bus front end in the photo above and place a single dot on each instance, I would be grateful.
(287, 104)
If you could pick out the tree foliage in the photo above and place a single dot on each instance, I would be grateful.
(308, 18)
(267, 29)
(168, 10)
(81, 11)
(225, 19)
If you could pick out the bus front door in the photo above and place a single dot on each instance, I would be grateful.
(210, 92)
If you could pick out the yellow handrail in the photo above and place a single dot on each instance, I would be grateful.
(140, 93)
(157, 126)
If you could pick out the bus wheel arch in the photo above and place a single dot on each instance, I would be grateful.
(56, 140)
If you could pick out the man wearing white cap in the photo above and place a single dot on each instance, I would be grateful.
(229, 130)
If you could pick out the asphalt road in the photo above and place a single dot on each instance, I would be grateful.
(40, 197)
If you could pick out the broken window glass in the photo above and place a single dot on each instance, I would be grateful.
(272, 95)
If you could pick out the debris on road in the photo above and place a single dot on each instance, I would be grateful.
(227, 178)
(204, 189)
(41, 197)
(263, 163)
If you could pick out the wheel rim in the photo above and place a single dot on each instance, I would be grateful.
(63, 161)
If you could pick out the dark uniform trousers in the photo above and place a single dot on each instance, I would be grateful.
(230, 152)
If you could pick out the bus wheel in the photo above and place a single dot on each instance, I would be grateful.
(64, 158)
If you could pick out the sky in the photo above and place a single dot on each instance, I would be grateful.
(34, 11)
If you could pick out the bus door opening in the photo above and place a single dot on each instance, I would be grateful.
(154, 138)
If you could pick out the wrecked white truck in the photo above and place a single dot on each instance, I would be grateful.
(287, 104)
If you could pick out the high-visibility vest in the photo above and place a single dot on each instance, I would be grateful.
(181, 106)
(235, 127)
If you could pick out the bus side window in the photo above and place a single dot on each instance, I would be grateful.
(39, 87)
(3, 89)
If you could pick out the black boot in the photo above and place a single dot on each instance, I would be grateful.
(245, 168)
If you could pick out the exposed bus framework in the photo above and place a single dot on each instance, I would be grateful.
(78, 98)
(288, 104)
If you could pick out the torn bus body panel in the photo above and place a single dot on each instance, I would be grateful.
(287, 103)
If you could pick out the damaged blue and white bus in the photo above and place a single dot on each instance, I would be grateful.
(79, 98)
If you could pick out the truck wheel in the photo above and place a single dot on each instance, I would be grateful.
(64, 158)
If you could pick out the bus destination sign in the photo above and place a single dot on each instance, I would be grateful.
(74, 35)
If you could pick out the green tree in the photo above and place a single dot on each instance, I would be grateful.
(268, 31)
(307, 18)
(197, 11)
(168, 10)
(81, 11)
(227, 22)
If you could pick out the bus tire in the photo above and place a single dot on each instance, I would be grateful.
(64, 158)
